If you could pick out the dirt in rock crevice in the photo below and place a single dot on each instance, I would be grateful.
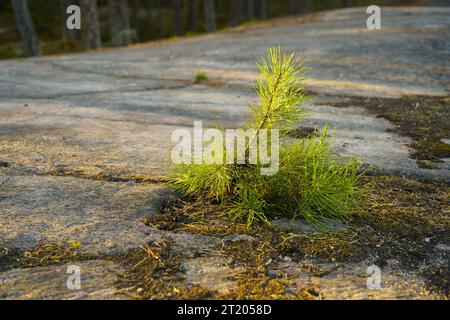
(403, 222)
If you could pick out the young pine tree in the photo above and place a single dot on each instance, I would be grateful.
(311, 182)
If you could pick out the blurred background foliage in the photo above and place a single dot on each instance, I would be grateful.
(152, 19)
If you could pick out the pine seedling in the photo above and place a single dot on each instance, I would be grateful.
(311, 183)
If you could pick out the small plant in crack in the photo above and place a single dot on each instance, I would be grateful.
(200, 77)
(311, 182)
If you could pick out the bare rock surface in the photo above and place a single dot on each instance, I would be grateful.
(48, 283)
(85, 138)
(104, 216)
(211, 272)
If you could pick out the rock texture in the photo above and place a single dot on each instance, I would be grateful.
(49, 283)
(85, 138)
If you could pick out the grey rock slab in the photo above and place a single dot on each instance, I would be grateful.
(213, 273)
(106, 217)
(407, 56)
(113, 111)
(191, 245)
(97, 279)
(90, 142)
(53, 136)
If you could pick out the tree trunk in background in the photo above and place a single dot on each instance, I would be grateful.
(193, 15)
(239, 11)
(178, 15)
(210, 15)
(230, 11)
(26, 27)
(236, 12)
(137, 6)
(68, 35)
(160, 17)
(135, 15)
(149, 19)
(306, 7)
(250, 9)
(119, 22)
(262, 9)
(295, 6)
(89, 24)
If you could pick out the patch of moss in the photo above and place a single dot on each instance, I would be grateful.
(41, 255)
(266, 288)
(403, 213)
(430, 149)
(329, 247)
(198, 216)
(438, 279)
(427, 164)
(104, 176)
(203, 79)
(200, 77)
(303, 132)
(255, 283)
(155, 272)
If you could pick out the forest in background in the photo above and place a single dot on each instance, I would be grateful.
(34, 27)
